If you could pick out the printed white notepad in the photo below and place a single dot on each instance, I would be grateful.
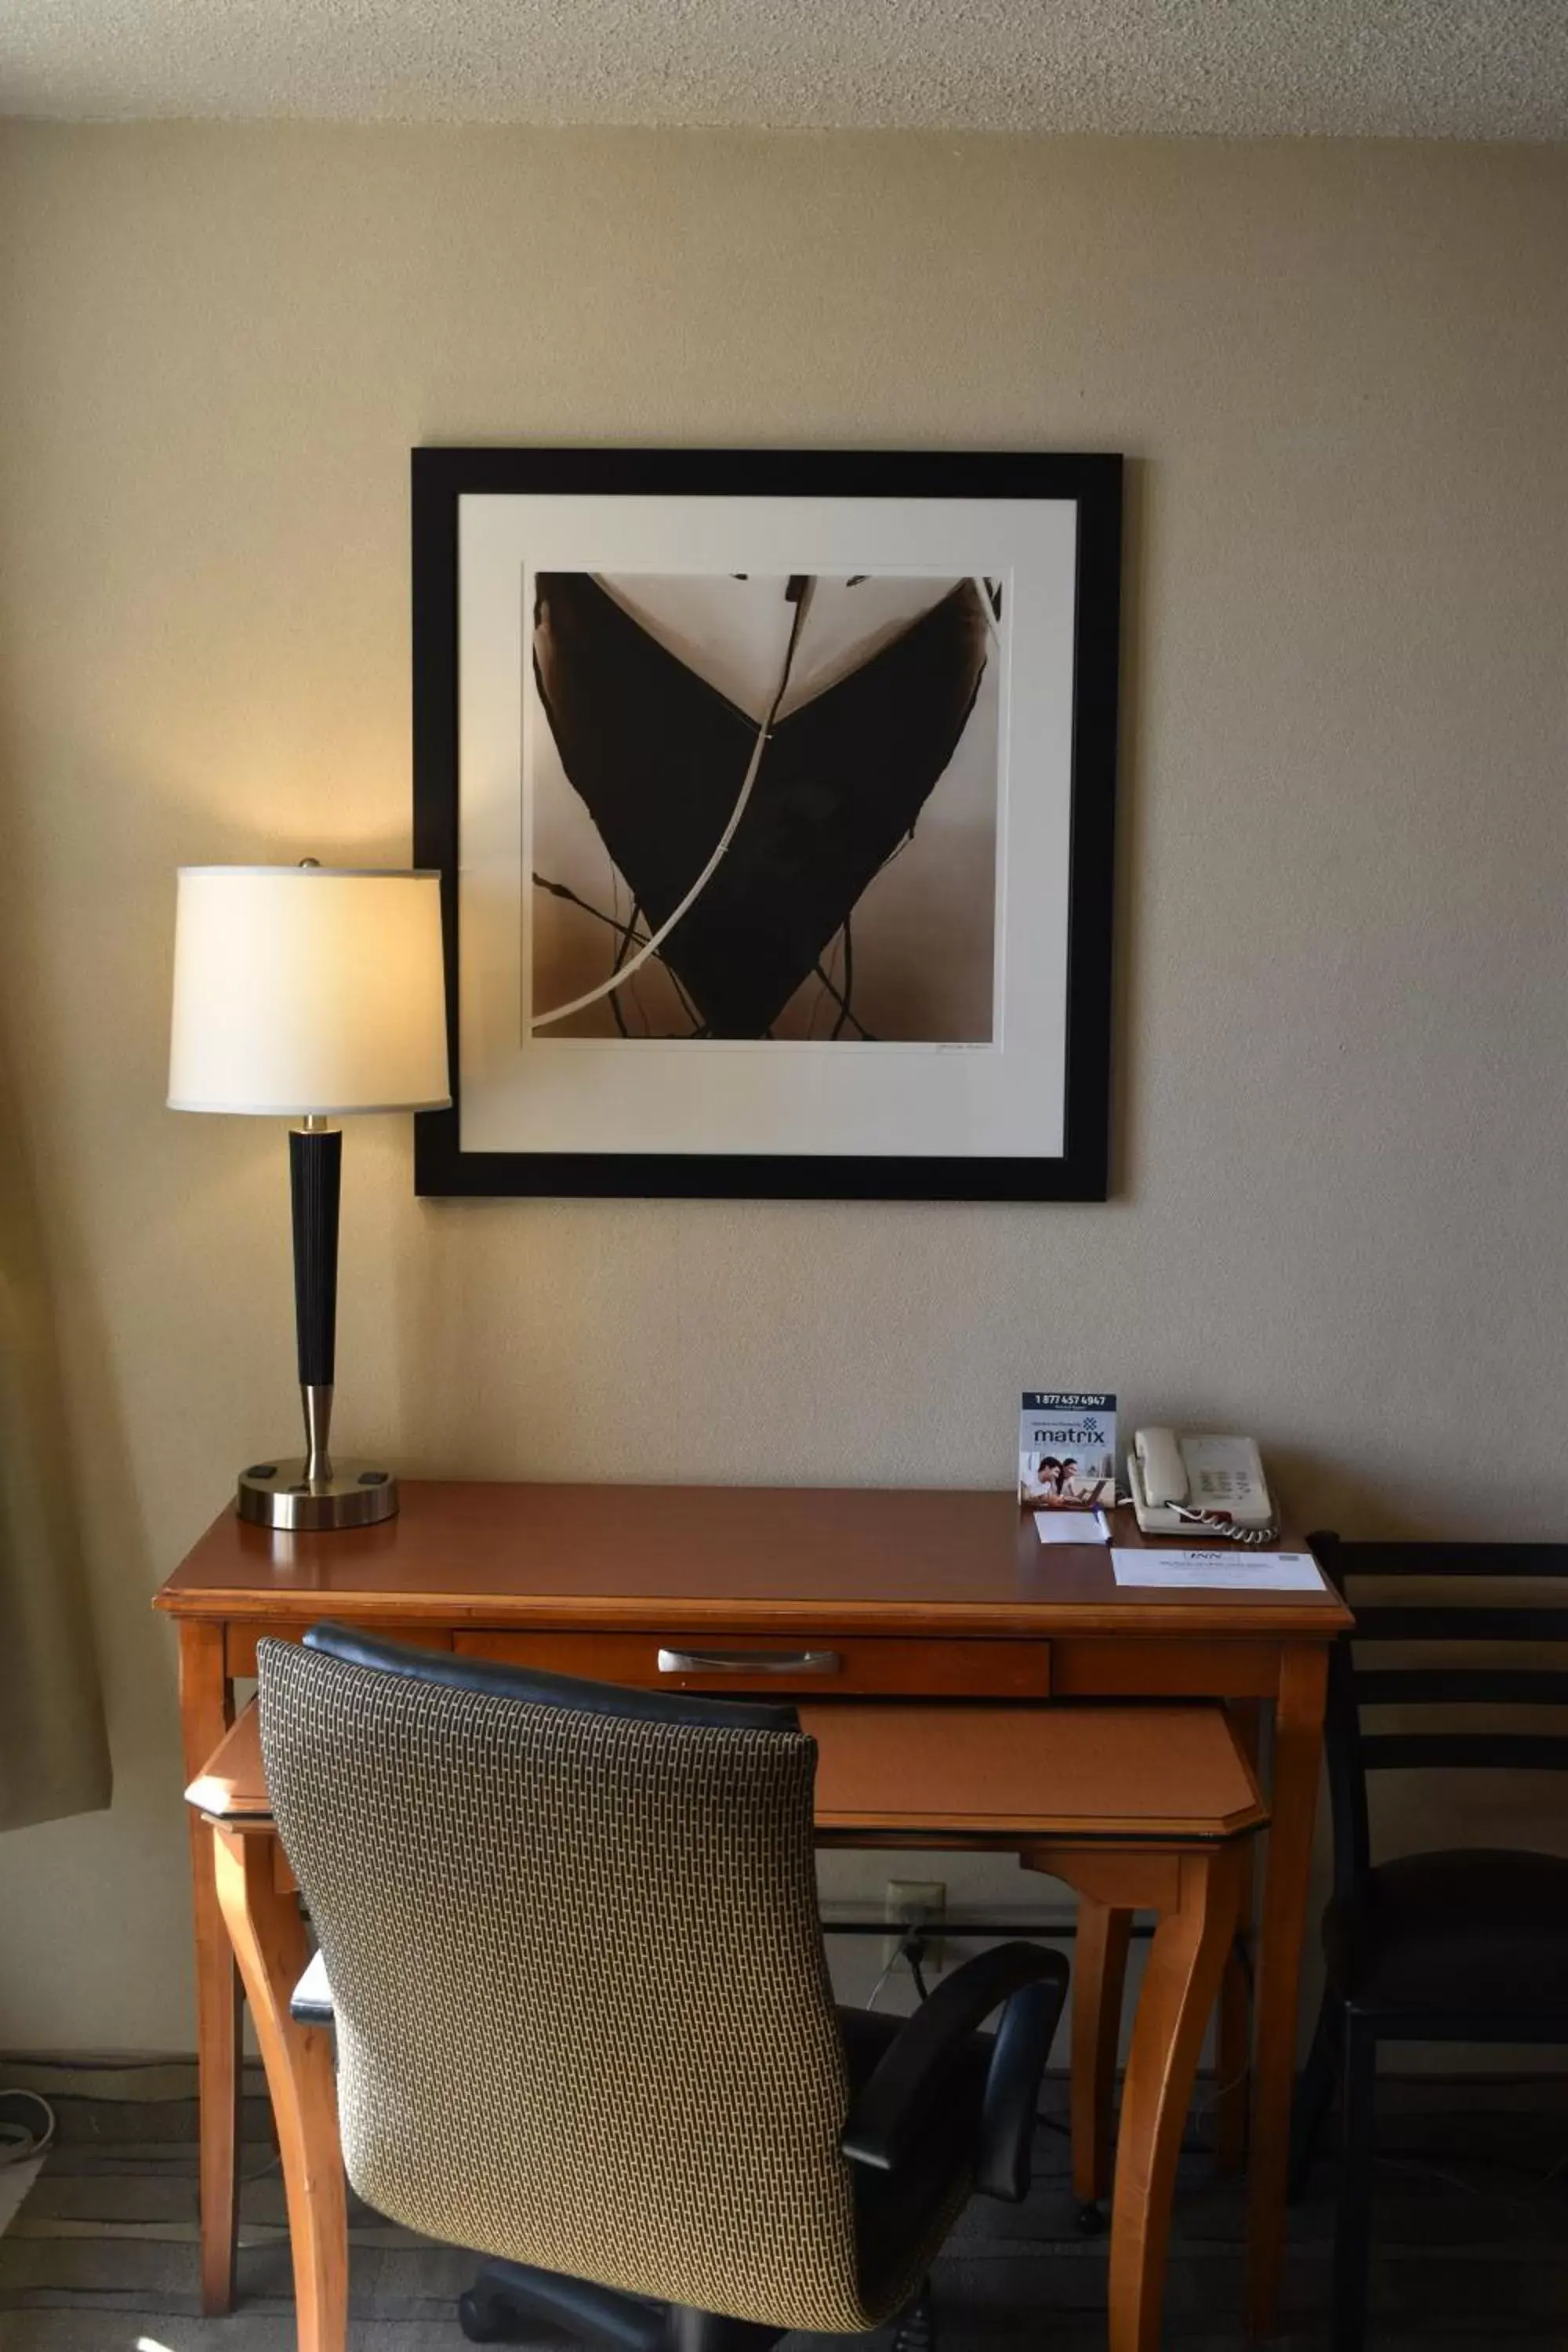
(1230, 1571)
(1072, 1526)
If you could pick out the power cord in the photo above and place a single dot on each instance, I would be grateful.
(1092, 2219)
(1201, 2108)
(1529, 2204)
(911, 1947)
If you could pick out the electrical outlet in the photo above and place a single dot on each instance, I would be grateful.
(911, 1902)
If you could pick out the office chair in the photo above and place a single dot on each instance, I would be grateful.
(582, 2011)
(1466, 1944)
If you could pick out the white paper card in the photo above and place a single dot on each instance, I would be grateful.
(1072, 1526)
(1229, 1570)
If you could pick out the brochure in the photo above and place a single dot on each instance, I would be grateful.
(1066, 1449)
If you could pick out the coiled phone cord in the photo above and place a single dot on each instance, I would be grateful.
(1215, 1523)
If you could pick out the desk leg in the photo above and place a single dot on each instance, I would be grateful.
(1297, 1758)
(1099, 1976)
(1233, 2040)
(207, 1711)
(269, 1944)
(1185, 1961)
(1232, 2036)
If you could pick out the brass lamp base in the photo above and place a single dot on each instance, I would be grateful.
(279, 1495)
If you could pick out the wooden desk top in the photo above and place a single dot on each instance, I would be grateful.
(689, 1558)
(1157, 1774)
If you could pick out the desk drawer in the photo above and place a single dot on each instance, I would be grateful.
(239, 1641)
(826, 1665)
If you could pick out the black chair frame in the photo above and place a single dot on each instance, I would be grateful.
(885, 2121)
(1344, 2055)
(891, 2111)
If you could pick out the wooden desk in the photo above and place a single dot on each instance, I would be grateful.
(914, 1595)
(1147, 1806)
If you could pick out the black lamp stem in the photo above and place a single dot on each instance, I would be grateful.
(316, 1494)
(315, 1180)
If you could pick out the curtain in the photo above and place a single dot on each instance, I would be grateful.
(54, 1750)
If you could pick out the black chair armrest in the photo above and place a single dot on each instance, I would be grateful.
(913, 2072)
(1022, 2043)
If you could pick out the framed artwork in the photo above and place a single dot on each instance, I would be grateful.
(772, 795)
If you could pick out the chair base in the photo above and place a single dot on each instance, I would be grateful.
(915, 2328)
(508, 2301)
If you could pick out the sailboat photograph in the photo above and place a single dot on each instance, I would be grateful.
(773, 796)
(764, 808)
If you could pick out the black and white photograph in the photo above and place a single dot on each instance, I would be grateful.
(763, 807)
(773, 794)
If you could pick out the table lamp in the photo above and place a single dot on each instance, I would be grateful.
(311, 993)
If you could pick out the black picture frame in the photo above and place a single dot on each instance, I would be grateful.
(442, 477)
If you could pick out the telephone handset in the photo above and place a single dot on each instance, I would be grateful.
(1183, 1486)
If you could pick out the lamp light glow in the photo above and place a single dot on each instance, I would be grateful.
(307, 989)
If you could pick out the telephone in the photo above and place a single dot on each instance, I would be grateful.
(1183, 1486)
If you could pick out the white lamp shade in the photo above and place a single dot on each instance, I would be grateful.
(307, 989)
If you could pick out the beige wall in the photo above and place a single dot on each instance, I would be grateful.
(1339, 371)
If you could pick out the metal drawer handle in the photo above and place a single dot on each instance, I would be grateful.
(755, 1662)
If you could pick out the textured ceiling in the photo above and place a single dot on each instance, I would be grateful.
(1446, 68)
